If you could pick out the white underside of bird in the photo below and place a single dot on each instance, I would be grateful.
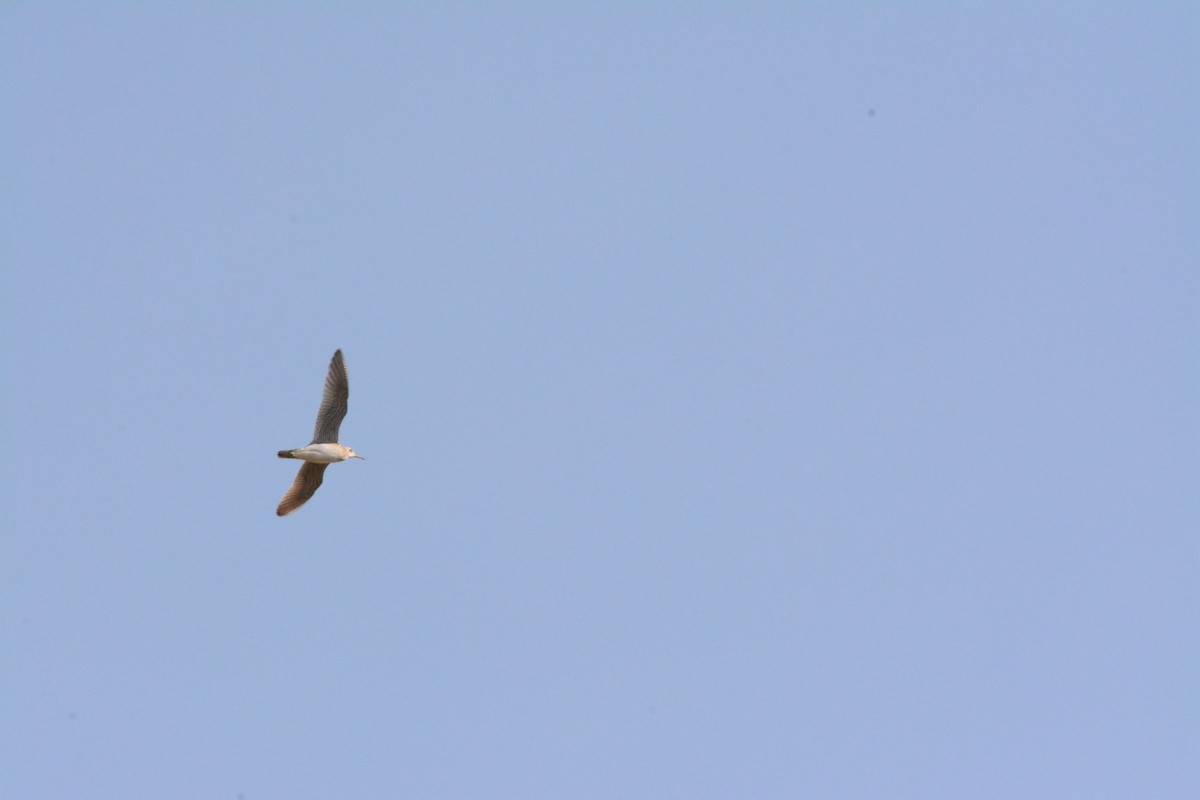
(323, 453)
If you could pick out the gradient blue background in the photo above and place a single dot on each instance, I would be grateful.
(763, 401)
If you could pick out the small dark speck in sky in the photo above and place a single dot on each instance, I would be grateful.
(870, 112)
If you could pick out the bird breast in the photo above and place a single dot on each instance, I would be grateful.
(324, 453)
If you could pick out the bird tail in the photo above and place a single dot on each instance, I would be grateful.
(286, 454)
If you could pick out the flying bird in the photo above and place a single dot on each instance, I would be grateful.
(324, 448)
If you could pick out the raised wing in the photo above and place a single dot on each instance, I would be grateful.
(335, 402)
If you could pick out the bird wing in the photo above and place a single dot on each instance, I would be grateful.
(334, 403)
(307, 480)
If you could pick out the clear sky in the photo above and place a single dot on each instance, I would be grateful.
(758, 400)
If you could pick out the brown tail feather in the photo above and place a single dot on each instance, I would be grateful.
(286, 454)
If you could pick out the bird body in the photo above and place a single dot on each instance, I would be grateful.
(321, 453)
(324, 448)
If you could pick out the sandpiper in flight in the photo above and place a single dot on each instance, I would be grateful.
(324, 449)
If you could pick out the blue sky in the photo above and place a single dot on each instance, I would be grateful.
(758, 400)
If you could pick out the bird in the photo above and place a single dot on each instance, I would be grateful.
(324, 448)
